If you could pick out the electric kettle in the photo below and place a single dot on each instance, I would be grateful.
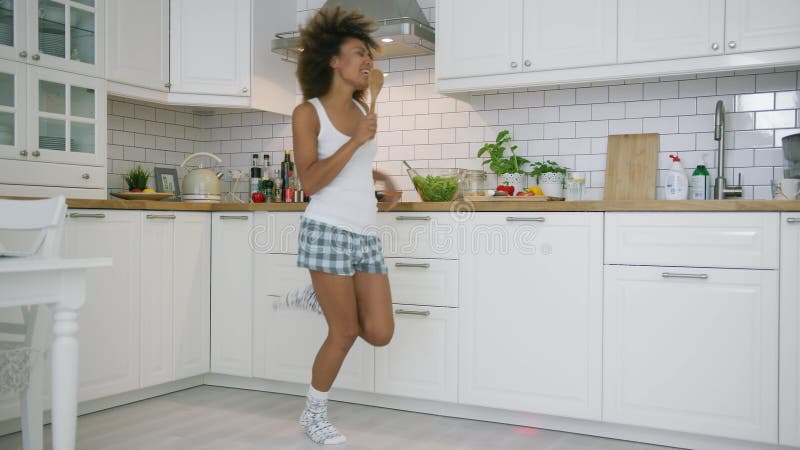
(201, 185)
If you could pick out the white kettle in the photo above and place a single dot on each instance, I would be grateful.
(201, 185)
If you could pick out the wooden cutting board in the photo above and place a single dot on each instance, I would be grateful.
(631, 167)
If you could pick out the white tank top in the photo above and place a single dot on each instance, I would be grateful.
(348, 201)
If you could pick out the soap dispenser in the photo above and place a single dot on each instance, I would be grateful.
(700, 176)
(677, 183)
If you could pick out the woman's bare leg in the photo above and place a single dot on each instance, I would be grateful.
(374, 301)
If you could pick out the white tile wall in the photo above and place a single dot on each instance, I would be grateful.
(569, 124)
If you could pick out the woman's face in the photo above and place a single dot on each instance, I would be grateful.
(353, 63)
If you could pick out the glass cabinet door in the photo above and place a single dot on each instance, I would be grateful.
(66, 35)
(66, 119)
(12, 29)
(12, 110)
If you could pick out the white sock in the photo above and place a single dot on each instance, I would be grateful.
(299, 299)
(314, 419)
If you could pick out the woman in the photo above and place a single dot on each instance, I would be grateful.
(334, 149)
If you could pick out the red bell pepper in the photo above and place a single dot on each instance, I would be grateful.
(507, 189)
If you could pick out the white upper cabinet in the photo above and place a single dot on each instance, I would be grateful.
(590, 39)
(13, 40)
(752, 25)
(653, 29)
(476, 37)
(66, 35)
(12, 110)
(210, 47)
(137, 43)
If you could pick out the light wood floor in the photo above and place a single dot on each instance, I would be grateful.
(215, 418)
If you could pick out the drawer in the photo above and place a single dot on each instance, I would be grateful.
(49, 174)
(418, 235)
(430, 282)
(725, 240)
(277, 274)
(276, 232)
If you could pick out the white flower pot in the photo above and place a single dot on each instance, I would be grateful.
(512, 179)
(552, 184)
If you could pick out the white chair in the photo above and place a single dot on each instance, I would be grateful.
(28, 229)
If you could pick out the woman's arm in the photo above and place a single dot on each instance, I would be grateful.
(316, 173)
(389, 186)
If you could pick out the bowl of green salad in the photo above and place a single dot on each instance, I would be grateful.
(436, 185)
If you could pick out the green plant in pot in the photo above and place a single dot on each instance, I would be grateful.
(508, 169)
(549, 175)
(137, 179)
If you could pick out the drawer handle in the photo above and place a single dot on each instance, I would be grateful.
(793, 220)
(524, 219)
(412, 218)
(696, 276)
(417, 265)
(82, 215)
(412, 313)
(274, 295)
(161, 216)
(233, 217)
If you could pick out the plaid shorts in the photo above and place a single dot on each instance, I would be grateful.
(330, 249)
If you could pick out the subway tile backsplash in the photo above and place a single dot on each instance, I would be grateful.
(568, 124)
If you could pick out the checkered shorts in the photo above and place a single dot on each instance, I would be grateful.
(330, 249)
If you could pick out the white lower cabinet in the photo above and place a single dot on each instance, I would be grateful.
(530, 317)
(790, 331)
(692, 349)
(422, 359)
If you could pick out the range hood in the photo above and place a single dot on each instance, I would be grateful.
(402, 30)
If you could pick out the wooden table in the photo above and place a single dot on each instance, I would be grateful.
(60, 283)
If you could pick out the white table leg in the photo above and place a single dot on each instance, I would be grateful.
(65, 377)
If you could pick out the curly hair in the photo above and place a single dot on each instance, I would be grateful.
(321, 40)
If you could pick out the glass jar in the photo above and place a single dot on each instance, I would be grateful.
(474, 183)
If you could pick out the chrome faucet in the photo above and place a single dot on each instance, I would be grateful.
(721, 188)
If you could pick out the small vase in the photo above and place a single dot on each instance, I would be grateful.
(512, 179)
(552, 184)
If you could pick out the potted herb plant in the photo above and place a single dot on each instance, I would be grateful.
(508, 169)
(137, 179)
(549, 175)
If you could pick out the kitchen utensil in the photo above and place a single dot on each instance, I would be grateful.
(574, 186)
(411, 170)
(201, 185)
(631, 167)
(436, 185)
(155, 196)
(790, 187)
(375, 86)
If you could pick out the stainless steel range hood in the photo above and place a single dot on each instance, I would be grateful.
(403, 30)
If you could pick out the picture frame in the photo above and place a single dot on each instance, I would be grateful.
(166, 179)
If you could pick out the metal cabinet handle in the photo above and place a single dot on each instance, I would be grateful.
(412, 313)
(528, 63)
(86, 215)
(793, 220)
(732, 44)
(36, 153)
(274, 295)
(23, 54)
(160, 216)
(412, 218)
(416, 265)
(696, 276)
(85, 176)
(524, 219)
(233, 217)
(23, 153)
(167, 85)
(715, 46)
(513, 64)
(35, 57)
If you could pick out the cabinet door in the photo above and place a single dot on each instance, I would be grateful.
(231, 294)
(653, 29)
(790, 331)
(12, 30)
(12, 109)
(66, 117)
(210, 47)
(692, 350)
(191, 293)
(67, 35)
(761, 25)
(476, 37)
(138, 43)
(109, 320)
(569, 33)
(286, 341)
(530, 318)
(422, 359)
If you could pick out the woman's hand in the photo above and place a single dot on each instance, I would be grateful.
(365, 129)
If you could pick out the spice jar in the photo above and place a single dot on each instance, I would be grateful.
(474, 183)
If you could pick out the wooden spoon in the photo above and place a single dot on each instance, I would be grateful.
(375, 86)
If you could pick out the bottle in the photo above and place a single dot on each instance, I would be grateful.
(677, 184)
(278, 194)
(267, 184)
(288, 191)
(287, 168)
(700, 178)
(255, 176)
